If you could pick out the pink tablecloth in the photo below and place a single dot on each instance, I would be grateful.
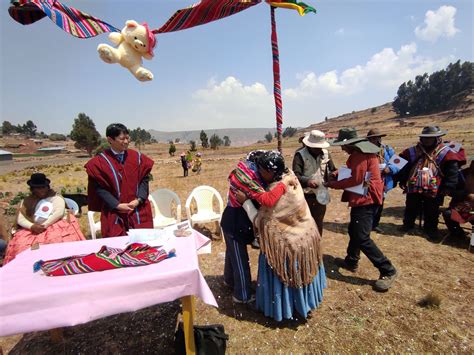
(32, 301)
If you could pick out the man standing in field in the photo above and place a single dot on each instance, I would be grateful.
(118, 185)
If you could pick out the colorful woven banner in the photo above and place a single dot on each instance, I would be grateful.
(75, 22)
(276, 75)
(301, 7)
(106, 258)
(204, 12)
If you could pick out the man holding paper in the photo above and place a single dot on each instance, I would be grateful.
(387, 168)
(364, 201)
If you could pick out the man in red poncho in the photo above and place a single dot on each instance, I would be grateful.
(118, 185)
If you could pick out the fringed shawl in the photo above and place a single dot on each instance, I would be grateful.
(289, 238)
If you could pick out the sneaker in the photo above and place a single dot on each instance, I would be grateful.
(250, 300)
(342, 263)
(378, 230)
(385, 282)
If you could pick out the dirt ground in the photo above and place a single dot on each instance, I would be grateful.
(352, 318)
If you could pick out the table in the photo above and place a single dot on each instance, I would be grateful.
(33, 302)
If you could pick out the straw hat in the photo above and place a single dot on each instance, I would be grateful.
(316, 139)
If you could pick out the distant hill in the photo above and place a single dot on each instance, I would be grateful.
(238, 136)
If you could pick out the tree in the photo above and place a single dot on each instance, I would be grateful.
(215, 141)
(373, 110)
(8, 128)
(289, 132)
(29, 128)
(84, 133)
(57, 137)
(269, 137)
(172, 149)
(326, 118)
(192, 145)
(204, 140)
(176, 140)
(141, 135)
(227, 141)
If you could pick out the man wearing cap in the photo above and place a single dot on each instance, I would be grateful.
(387, 170)
(312, 164)
(364, 166)
(118, 185)
(430, 174)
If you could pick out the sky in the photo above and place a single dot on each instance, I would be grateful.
(351, 55)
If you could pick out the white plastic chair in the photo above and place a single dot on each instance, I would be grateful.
(72, 205)
(162, 201)
(93, 226)
(204, 197)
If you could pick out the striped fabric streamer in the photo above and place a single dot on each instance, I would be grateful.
(276, 76)
(204, 12)
(301, 7)
(243, 178)
(136, 254)
(75, 22)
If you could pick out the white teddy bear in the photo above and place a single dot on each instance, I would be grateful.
(134, 42)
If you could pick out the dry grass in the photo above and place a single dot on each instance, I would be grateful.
(352, 319)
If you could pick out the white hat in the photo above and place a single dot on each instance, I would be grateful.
(316, 139)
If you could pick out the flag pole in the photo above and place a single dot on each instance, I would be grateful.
(276, 80)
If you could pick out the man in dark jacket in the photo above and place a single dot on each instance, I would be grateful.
(430, 174)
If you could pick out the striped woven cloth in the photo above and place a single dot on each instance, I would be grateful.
(204, 12)
(136, 254)
(301, 7)
(244, 178)
(75, 22)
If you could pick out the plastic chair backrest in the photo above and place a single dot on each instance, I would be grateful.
(204, 197)
(162, 201)
(93, 226)
(72, 205)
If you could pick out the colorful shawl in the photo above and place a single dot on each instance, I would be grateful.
(106, 258)
(244, 178)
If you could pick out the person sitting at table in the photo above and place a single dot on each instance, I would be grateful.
(291, 275)
(42, 219)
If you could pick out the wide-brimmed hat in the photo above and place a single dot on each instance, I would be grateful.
(347, 136)
(38, 180)
(367, 147)
(432, 131)
(375, 132)
(315, 139)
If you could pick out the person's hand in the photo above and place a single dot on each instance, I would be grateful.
(240, 196)
(133, 204)
(386, 170)
(291, 180)
(312, 184)
(37, 228)
(470, 198)
(124, 208)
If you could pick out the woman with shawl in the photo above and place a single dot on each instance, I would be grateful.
(42, 219)
(291, 275)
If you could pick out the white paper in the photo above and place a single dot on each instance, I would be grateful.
(43, 210)
(360, 189)
(398, 161)
(343, 173)
(382, 166)
(454, 146)
(152, 237)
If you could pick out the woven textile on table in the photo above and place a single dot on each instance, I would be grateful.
(71, 20)
(136, 254)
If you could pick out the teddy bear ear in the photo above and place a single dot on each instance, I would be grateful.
(131, 23)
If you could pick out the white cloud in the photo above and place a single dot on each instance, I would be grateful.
(439, 23)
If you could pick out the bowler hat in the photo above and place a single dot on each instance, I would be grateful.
(375, 132)
(432, 131)
(38, 180)
(315, 139)
(347, 136)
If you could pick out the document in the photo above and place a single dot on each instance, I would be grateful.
(343, 173)
(360, 189)
(43, 210)
(398, 161)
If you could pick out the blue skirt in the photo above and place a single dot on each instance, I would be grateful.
(280, 302)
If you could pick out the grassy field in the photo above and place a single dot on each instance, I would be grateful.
(352, 319)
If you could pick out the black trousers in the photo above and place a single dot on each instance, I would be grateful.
(429, 206)
(378, 215)
(317, 211)
(360, 227)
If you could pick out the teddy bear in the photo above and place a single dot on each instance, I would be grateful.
(133, 42)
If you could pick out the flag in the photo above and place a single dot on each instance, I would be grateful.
(301, 7)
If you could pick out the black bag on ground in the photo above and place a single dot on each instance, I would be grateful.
(210, 339)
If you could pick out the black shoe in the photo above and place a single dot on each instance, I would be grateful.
(432, 235)
(405, 229)
(342, 263)
(385, 282)
(378, 230)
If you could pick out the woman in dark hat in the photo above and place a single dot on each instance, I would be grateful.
(291, 275)
(42, 219)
